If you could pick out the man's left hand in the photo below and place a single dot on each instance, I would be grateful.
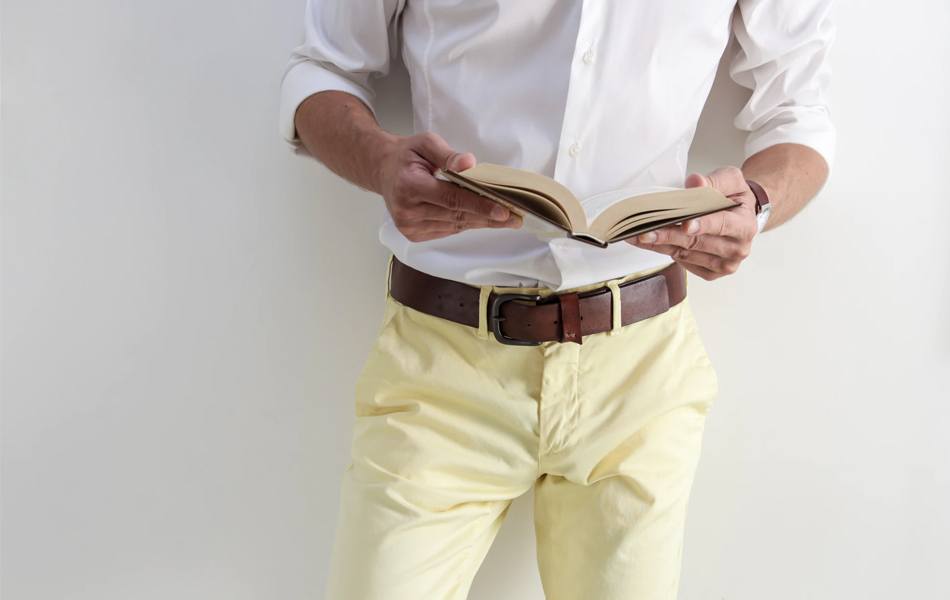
(716, 244)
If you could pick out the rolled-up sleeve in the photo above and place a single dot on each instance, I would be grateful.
(782, 56)
(346, 44)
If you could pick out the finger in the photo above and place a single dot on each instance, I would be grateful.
(661, 236)
(667, 249)
(672, 236)
(456, 199)
(694, 180)
(737, 224)
(693, 267)
(437, 151)
(710, 244)
(427, 211)
(716, 264)
(466, 221)
(728, 180)
(430, 230)
(700, 271)
(713, 262)
(461, 161)
(726, 247)
(469, 221)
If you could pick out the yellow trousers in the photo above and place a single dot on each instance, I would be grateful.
(452, 425)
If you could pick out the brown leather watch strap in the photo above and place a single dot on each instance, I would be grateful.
(524, 319)
(761, 196)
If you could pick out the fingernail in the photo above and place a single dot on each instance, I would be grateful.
(499, 213)
(648, 237)
(516, 221)
(692, 226)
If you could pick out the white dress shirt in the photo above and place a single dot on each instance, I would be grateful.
(601, 95)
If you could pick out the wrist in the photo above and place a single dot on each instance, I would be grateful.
(383, 147)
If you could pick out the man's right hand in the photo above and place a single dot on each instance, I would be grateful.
(425, 208)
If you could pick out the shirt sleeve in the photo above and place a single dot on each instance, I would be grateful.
(782, 57)
(346, 44)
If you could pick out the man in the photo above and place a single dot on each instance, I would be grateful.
(591, 385)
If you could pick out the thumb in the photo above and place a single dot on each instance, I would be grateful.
(461, 161)
(696, 180)
(438, 152)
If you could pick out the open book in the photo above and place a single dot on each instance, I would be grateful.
(534, 195)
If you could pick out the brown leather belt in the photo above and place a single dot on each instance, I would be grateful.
(529, 319)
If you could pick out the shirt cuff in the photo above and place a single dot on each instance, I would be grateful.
(815, 131)
(301, 81)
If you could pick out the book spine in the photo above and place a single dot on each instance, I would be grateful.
(588, 239)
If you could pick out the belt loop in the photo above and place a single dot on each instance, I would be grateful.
(484, 292)
(615, 306)
(389, 275)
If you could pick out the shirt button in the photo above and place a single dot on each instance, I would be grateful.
(575, 149)
(589, 56)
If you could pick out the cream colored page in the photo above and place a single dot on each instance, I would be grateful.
(673, 215)
(508, 177)
(516, 200)
(680, 202)
(538, 202)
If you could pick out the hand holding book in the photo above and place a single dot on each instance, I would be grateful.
(714, 245)
(422, 207)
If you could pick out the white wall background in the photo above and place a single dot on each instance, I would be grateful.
(185, 311)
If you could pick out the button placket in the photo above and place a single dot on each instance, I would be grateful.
(558, 404)
(571, 148)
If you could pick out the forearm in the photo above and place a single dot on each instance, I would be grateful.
(792, 174)
(342, 133)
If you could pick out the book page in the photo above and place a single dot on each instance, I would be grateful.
(511, 179)
(526, 203)
(662, 205)
(644, 225)
(538, 202)
(595, 205)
